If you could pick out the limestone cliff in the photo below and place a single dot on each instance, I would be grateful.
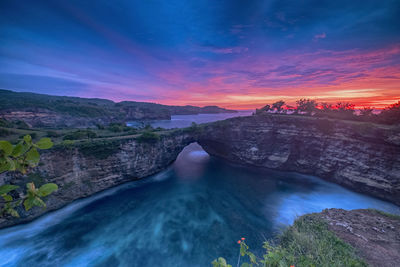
(363, 157)
(360, 156)
(82, 170)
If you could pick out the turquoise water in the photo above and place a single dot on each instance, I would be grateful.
(182, 121)
(186, 215)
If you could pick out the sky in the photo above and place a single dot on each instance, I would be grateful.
(235, 54)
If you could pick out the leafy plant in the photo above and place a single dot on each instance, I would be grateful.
(220, 262)
(21, 157)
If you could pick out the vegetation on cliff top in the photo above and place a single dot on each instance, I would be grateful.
(95, 107)
(340, 110)
(308, 242)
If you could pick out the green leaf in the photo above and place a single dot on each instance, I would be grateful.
(38, 202)
(243, 250)
(7, 198)
(13, 212)
(6, 164)
(17, 151)
(44, 143)
(6, 147)
(11, 164)
(252, 257)
(28, 203)
(221, 262)
(47, 189)
(28, 139)
(4, 189)
(32, 157)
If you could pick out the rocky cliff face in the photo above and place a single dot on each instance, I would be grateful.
(360, 156)
(81, 171)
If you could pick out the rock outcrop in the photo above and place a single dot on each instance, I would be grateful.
(361, 156)
(374, 235)
(82, 170)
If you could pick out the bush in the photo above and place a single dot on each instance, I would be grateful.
(5, 123)
(391, 114)
(52, 134)
(148, 137)
(21, 125)
(118, 127)
(100, 149)
(80, 134)
(5, 132)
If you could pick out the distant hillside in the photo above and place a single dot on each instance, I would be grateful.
(41, 110)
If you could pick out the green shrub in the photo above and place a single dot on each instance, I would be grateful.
(115, 128)
(5, 132)
(80, 134)
(308, 242)
(52, 134)
(5, 123)
(21, 125)
(148, 137)
(101, 149)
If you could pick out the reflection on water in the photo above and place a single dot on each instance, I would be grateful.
(182, 121)
(185, 216)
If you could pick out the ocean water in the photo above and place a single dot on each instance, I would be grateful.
(182, 121)
(187, 215)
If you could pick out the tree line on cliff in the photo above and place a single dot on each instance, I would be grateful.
(340, 110)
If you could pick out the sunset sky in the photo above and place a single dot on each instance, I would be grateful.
(235, 54)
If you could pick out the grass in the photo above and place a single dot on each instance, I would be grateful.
(309, 243)
(392, 216)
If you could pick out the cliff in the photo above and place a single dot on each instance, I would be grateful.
(361, 156)
(86, 168)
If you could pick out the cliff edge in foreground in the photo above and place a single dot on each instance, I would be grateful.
(373, 234)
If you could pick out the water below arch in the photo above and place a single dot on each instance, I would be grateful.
(187, 215)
